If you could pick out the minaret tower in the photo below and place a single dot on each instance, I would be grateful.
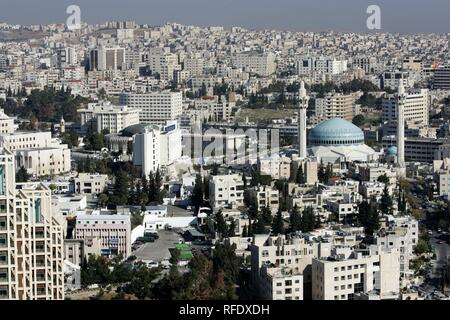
(62, 125)
(303, 100)
(401, 96)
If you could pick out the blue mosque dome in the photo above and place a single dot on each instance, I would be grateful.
(336, 132)
(391, 151)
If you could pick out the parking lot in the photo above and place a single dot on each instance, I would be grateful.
(158, 250)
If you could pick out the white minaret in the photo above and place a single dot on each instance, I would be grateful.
(401, 126)
(302, 106)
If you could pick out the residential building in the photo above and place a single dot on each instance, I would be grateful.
(31, 239)
(226, 190)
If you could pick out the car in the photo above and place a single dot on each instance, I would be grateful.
(152, 264)
(439, 242)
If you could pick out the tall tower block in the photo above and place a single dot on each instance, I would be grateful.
(303, 100)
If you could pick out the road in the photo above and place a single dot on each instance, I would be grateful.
(434, 278)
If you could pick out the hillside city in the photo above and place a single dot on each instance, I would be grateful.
(204, 163)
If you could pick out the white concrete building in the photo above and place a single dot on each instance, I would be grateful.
(37, 152)
(114, 232)
(275, 166)
(31, 239)
(146, 150)
(321, 65)
(281, 284)
(226, 190)
(6, 123)
(265, 197)
(416, 106)
(348, 272)
(262, 64)
(106, 116)
(156, 107)
(86, 183)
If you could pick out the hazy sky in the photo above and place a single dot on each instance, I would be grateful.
(300, 15)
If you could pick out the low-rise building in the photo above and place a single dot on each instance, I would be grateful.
(112, 230)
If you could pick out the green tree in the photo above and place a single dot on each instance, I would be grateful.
(121, 188)
(386, 203)
(421, 247)
(359, 120)
(197, 193)
(221, 225)
(368, 217)
(308, 220)
(300, 178)
(295, 220)
(22, 175)
(383, 179)
(278, 224)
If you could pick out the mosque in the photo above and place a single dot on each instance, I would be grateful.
(335, 141)
(339, 141)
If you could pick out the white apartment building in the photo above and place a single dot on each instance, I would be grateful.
(66, 57)
(31, 239)
(336, 105)
(342, 209)
(321, 65)
(86, 183)
(371, 172)
(293, 253)
(348, 272)
(162, 63)
(392, 79)
(275, 166)
(154, 147)
(262, 64)
(371, 189)
(170, 144)
(194, 66)
(106, 116)
(218, 110)
(416, 107)
(156, 107)
(281, 284)
(6, 123)
(146, 150)
(114, 232)
(444, 182)
(265, 197)
(310, 168)
(402, 234)
(226, 190)
(37, 152)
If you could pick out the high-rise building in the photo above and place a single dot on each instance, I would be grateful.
(103, 59)
(322, 65)
(442, 78)
(156, 107)
(146, 149)
(336, 105)
(415, 107)
(66, 57)
(31, 239)
(262, 64)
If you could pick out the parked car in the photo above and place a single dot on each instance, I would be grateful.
(152, 264)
